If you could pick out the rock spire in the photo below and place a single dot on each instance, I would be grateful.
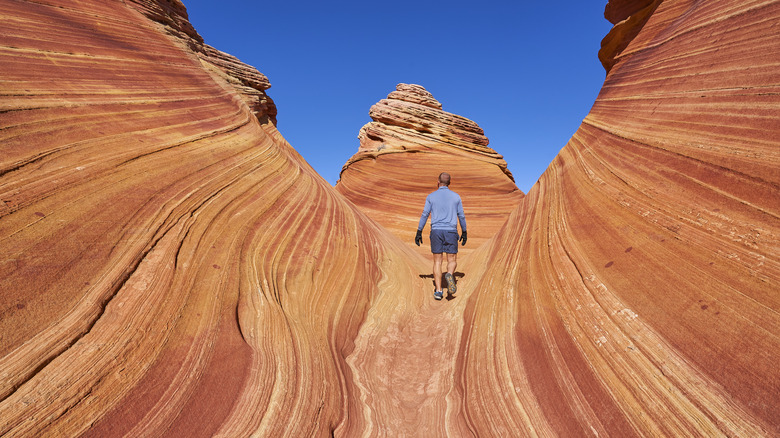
(402, 151)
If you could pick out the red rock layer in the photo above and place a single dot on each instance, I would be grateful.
(628, 18)
(402, 152)
(247, 80)
(636, 291)
(157, 275)
(155, 282)
(618, 10)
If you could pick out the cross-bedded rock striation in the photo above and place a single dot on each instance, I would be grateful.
(170, 266)
(246, 79)
(644, 267)
(151, 280)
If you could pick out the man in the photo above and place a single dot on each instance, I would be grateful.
(444, 205)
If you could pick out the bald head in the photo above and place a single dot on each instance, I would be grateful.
(444, 178)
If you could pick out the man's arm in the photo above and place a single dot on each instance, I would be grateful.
(462, 220)
(426, 212)
(461, 216)
(423, 219)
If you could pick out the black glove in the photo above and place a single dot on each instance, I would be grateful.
(463, 238)
(418, 238)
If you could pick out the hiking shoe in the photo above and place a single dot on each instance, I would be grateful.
(451, 286)
(438, 294)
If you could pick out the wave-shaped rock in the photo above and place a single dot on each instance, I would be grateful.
(410, 131)
(169, 265)
(246, 79)
(635, 290)
(157, 275)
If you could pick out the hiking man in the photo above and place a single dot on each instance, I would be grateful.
(445, 205)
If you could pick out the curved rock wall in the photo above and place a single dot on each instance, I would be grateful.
(169, 265)
(157, 275)
(637, 288)
(172, 17)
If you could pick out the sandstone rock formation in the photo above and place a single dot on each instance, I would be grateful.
(638, 284)
(151, 283)
(247, 80)
(411, 131)
(628, 16)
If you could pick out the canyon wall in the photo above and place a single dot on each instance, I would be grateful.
(153, 277)
(154, 281)
(636, 289)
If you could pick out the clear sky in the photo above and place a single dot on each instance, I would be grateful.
(526, 72)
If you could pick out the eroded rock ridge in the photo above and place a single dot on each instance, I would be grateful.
(154, 282)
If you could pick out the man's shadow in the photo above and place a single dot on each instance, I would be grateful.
(458, 276)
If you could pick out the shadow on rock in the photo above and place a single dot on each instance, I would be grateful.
(449, 296)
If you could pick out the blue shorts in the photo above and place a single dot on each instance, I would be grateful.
(444, 241)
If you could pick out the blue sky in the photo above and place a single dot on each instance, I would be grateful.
(526, 72)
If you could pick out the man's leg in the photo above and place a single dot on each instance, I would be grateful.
(437, 270)
(452, 263)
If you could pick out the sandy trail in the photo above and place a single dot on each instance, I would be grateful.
(405, 358)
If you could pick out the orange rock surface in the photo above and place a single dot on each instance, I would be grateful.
(153, 281)
(403, 151)
(636, 290)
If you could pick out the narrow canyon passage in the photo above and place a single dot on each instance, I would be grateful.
(405, 360)
(171, 266)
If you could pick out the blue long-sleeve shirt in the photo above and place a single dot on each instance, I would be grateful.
(445, 206)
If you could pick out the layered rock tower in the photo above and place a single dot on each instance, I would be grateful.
(152, 281)
(411, 131)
